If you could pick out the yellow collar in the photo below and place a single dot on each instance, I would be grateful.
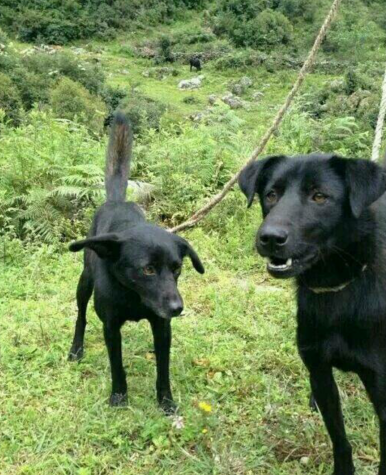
(338, 288)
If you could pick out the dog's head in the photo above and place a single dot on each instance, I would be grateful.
(147, 260)
(311, 205)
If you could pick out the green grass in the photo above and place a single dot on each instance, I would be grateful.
(234, 349)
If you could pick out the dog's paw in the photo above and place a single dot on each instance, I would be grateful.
(168, 406)
(76, 354)
(118, 400)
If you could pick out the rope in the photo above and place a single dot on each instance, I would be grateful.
(201, 213)
(380, 122)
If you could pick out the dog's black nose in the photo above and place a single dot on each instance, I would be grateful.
(175, 308)
(273, 237)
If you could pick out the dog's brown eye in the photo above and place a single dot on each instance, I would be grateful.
(319, 198)
(149, 270)
(271, 197)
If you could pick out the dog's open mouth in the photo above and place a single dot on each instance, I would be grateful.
(289, 267)
(279, 264)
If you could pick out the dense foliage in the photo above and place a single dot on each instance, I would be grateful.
(55, 104)
(58, 22)
(36, 77)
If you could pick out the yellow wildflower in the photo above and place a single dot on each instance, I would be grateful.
(204, 406)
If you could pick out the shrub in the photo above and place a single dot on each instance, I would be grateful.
(190, 100)
(52, 173)
(66, 64)
(72, 101)
(269, 29)
(58, 22)
(144, 113)
(164, 50)
(33, 75)
(201, 157)
(246, 24)
(10, 101)
(240, 59)
(113, 97)
(3, 38)
(299, 8)
(32, 86)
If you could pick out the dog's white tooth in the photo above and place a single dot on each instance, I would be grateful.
(289, 263)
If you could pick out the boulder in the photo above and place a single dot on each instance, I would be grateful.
(232, 101)
(212, 99)
(246, 82)
(141, 192)
(193, 83)
(257, 96)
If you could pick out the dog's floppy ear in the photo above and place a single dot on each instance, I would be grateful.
(252, 175)
(187, 250)
(107, 246)
(366, 183)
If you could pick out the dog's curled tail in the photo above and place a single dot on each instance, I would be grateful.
(118, 158)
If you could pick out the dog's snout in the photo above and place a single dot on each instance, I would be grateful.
(175, 307)
(273, 237)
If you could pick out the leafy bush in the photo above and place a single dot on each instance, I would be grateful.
(52, 172)
(190, 100)
(65, 64)
(189, 166)
(269, 28)
(3, 38)
(355, 36)
(247, 23)
(72, 101)
(305, 9)
(344, 135)
(58, 22)
(144, 113)
(32, 76)
(164, 50)
(356, 95)
(240, 59)
(10, 101)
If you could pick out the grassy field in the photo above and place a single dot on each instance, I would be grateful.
(233, 350)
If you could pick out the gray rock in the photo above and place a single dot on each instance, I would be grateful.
(238, 89)
(193, 83)
(197, 117)
(246, 82)
(257, 96)
(141, 192)
(212, 99)
(232, 101)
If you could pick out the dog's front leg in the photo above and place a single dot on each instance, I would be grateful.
(375, 384)
(113, 339)
(326, 395)
(162, 334)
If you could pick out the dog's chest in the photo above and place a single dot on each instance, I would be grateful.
(338, 350)
(346, 346)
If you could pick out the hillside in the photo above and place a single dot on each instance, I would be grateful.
(234, 349)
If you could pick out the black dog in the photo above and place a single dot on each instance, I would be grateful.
(325, 224)
(195, 63)
(133, 267)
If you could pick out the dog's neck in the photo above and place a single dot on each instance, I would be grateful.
(344, 264)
